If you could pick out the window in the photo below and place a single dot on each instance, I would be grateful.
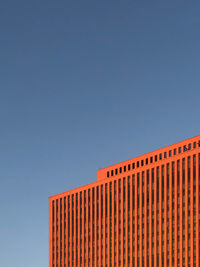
(133, 166)
(116, 171)
(112, 173)
(108, 174)
(146, 161)
(138, 164)
(174, 151)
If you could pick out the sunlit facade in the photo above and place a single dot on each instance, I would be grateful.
(141, 212)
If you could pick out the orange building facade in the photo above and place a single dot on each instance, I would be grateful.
(141, 212)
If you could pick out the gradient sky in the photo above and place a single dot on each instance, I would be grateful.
(83, 85)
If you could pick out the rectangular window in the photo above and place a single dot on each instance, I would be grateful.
(53, 230)
(61, 231)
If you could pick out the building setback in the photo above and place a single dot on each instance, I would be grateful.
(141, 212)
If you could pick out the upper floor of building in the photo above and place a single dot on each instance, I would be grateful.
(141, 163)
(149, 159)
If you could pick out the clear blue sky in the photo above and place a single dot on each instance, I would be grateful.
(83, 85)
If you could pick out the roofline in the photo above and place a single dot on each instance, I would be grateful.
(121, 162)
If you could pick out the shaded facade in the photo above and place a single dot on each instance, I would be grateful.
(141, 212)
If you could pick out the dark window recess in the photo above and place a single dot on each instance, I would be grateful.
(184, 148)
(194, 145)
(138, 164)
(156, 157)
(179, 150)
(133, 165)
(142, 162)
(199, 143)
(160, 156)
(120, 169)
(129, 167)
(108, 174)
(112, 173)
(116, 171)
(174, 151)
(189, 146)
(170, 153)
(165, 155)
(146, 161)
(151, 159)
(124, 168)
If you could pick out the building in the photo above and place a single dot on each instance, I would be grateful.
(141, 212)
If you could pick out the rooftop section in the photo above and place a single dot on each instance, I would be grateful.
(149, 158)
